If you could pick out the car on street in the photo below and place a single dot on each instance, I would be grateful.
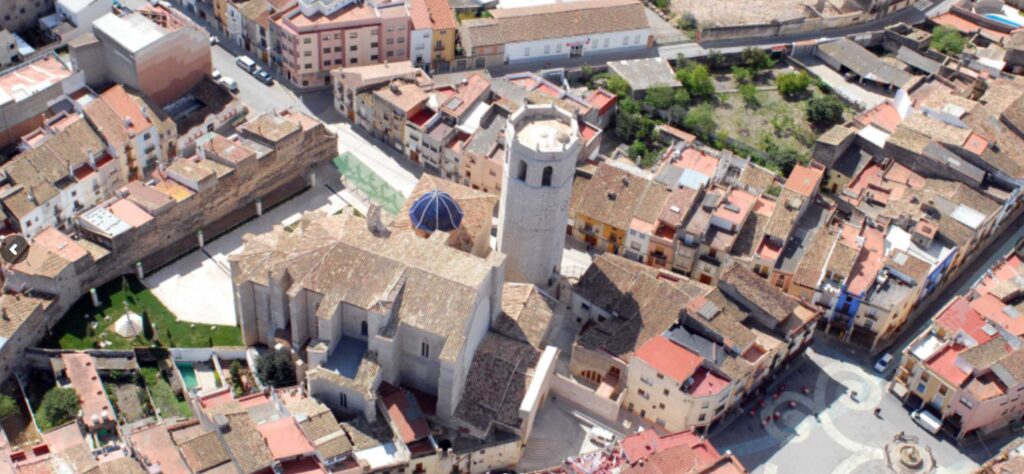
(927, 420)
(883, 363)
(229, 83)
(214, 40)
(263, 76)
(601, 436)
(247, 64)
(215, 74)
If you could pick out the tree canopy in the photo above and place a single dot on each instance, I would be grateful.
(948, 40)
(825, 111)
(697, 80)
(793, 84)
(275, 368)
(59, 406)
(701, 121)
(8, 407)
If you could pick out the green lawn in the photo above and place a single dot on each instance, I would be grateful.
(163, 396)
(162, 328)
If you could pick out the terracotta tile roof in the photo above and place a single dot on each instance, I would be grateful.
(1011, 364)
(982, 356)
(614, 196)
(579, 184)
(122, 466)
(808, 271)
(513, 25)
(498, 378)
(757, 178)
(366, 436)
(271, 127)
(106, 121)
(759, 292)
(248, 446)
(205, 451)
(783, 218)
(441, 15)
(526, 313)
(841, 262)
(81, 370)
(405, 414)
(419, 15)
(643, 302)
(42, 262)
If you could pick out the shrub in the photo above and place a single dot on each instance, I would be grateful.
(757, 59)
(701, 121)
(59, 406)
(947, 40)
(637, 150)
(659, 98)
(8, 407)
(825, 111)
(793, 84)
(275, 368)
(618, 86)
(687, 22)
(662, 5)
(749, 94)
(697, 80)
(742, 75)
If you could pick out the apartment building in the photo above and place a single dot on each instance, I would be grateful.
(140, 135)
(967, 368)
(154, 50)
(700, 349)
(66, 169)
(27, 92)
(314, 37)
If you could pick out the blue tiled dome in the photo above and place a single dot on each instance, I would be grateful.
(435, 211)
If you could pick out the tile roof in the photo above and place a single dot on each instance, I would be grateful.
(615, 196)
(804, 180)
(787, 210)
(441, 15)
(759, 292)
(285, 439)
(270, 127)
(501, 371)
(808, 271)
(477, 209)
(247, 445)
(982, 356)
(81, 370)
(205, 451)
(526, 314)
(842, 259)
(757, 178)
(366, 436)
(642, 301)
(332, 254)
(405, 414)
(559, 20)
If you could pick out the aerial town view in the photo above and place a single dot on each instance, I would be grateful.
(512, 236)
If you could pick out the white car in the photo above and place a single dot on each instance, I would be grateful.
(214, 40)
(927, 420)
(601, 436)
(229, 83)
(883, 363)
(215, 74)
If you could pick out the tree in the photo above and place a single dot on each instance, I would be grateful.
(757, 59)
(618, 86)
(586, 73)
(687, 22)
(659, 98)
(275, 368)
(793, 84)
(749, 93)
(825, 111)
(8, 407)
(59, 406)
(662, 5)
(742, 75)
(778, 157)
(701, 121)
(637, 150)
(681, 97)
(947, 40)
(697, 80)
(236, 376)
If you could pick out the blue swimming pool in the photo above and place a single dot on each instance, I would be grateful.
(1006, 20)
(188, 373)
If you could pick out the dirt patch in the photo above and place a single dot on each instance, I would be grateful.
(132, 402)
(737, 12)
(19, 428)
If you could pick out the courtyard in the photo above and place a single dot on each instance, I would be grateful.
(845, 437)
(207, 271)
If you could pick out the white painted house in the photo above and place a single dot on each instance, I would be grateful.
(556, 31)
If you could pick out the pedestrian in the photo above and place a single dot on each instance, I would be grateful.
(853, 395)
(878, 412)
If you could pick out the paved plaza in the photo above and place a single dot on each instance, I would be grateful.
(207, 271)
(846, 437)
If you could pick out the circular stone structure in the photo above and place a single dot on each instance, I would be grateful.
(905, 456)
(435, 211)
(129, 325)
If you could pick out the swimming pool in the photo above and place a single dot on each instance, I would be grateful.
(1005, 20)
(188, 374)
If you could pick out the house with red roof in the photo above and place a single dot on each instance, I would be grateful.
(968, 369)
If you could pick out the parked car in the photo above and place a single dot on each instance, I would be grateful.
(246, 63)
(883, 363)
(927, 420)
(215, 74)
(601, 436)
(263, 76)
(229, 83)
(214, 40)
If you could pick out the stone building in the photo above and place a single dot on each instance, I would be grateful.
(542, 143)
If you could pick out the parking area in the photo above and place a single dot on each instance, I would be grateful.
(846, 436)
(207, 271)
